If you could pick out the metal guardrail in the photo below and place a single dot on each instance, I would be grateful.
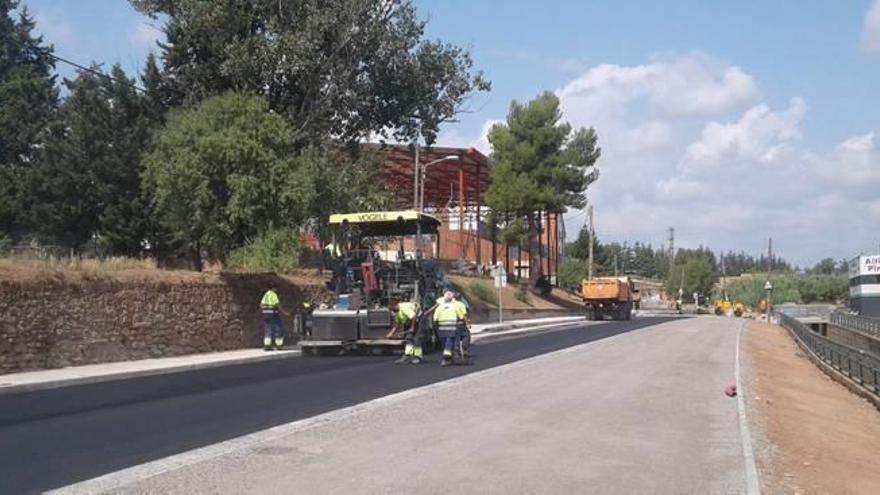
(860, 366)
(867, 326)
(805, 310)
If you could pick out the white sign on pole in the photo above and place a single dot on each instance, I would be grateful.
(500, 276)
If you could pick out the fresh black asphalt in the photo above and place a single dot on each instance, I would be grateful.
(109, 426)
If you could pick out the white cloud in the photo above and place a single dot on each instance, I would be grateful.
(759, 134)
(145, 35)
(871, 33)
(689, 85)
(685, 143)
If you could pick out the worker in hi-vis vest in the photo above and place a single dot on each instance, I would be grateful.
(270, 306)
(447, 314)
(405, 321)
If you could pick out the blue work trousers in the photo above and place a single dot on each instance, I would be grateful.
(272, 326)
(450, 340)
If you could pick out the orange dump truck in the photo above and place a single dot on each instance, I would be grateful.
(608, 296)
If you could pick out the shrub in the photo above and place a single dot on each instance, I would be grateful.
(483, 293)
(276, 250)
(522, 295)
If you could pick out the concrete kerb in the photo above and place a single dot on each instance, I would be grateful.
(33, 381)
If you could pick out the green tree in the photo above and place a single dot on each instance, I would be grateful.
(826, 266)
(571, 273)
(28, 101)
(538, 164)
(225, 172)
(65, 190)
(342, 68)
(693, 275)
(87, 188)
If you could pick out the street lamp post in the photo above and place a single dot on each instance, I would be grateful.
(424, 175)
(769, 288)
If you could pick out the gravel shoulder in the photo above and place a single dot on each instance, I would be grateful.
(642, 412)
(811, 434)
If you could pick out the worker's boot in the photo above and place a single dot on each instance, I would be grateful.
(415, 360)
(407, 354)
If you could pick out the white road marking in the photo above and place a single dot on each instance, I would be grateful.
(142, 472)
(753, 486)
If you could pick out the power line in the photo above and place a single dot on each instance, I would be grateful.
(97, 72)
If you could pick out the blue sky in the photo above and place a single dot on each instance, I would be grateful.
(694, 101)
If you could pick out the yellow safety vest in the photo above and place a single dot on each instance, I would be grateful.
(269, 303)
(407, 309)
(449, 311)
(462, 309)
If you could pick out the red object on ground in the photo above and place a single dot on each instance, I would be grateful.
(730, 390)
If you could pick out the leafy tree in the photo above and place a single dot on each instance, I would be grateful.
(28, 101)
(341, 68)
(790, 288)
(571, 273)
(539, 164)
(825, 266)
(225, 172)
(692, 275)
(342, 181)
(276, 250)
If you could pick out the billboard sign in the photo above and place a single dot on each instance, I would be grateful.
(864, 265)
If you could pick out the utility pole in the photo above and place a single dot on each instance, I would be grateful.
(723, 276)
(590, 248)
(615, 264)
(416, 176)
(767, 285)
(671, 249)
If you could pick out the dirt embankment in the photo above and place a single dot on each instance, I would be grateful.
(61, 318)
(813, 435)
(481, 292)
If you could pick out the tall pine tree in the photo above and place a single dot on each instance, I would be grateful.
(539, 164)
(86, 193)
(28, 101)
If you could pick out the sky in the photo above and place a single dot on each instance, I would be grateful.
(732, 122)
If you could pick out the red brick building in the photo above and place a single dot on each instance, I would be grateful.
(464, 234)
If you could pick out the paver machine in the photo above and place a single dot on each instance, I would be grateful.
(376, 258)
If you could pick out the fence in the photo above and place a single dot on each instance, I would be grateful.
(806, 310)
(862, 367)
(867, 326)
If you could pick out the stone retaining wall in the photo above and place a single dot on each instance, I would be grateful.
(55, 324)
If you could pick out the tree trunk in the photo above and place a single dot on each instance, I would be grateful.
(535, 268)
(196, 257)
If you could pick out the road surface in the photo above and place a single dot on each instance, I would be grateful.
(627, 406)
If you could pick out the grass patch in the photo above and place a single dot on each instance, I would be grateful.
(523, 297)
(483, 293)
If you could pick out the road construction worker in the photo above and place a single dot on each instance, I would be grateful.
(302, 319)
(447, 314)
(405, 321)
(270, 306)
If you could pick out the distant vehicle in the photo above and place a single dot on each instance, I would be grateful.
(609, 296)
(722, 306)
